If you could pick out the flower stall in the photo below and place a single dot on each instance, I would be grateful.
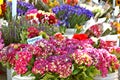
(59, 40)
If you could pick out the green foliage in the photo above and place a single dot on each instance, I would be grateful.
(13, 30)
(62, 29)
(81, 72)
(49, 29)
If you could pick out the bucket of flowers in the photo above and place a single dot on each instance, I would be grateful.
(72, 16)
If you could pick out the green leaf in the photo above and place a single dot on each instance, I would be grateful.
(13, 74)
(27, 73)
(16, 57)
(76, 71)
(62, 29)
(106, 32)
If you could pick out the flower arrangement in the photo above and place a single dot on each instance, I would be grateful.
(99, 30)
(70, 16)
(44, 21)
(59, 58)
(40, 17)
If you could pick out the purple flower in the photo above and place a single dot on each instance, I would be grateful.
(67, 14)
(22, 7)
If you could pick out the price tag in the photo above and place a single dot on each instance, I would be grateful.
(33, 40)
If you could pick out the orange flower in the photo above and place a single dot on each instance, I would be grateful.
(45, 1)
(71, 2)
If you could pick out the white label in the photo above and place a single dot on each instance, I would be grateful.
(33, 40)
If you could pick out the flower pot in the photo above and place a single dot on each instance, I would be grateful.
(18, 77)
(70, 32)
(111, 76)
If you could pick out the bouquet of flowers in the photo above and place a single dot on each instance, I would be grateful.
(70, 16)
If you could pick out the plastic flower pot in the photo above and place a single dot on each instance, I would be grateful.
(70, 32)
(111, 76)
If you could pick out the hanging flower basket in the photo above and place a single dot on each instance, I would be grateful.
(111, 76)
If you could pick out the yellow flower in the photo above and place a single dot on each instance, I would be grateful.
(1, 2)
(51, 4)
(9, 0)
(56, 3)
(0, 11)
(78, 27)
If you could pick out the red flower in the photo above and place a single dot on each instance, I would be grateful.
(71, 2)
(3, 8)
(45, 1)
(32, 32)
(59, 36)
(40, 16)
(80, 36)
(52, 19)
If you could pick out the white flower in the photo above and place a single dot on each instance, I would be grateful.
(3, 22)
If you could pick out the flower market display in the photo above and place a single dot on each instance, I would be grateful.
(59, 40)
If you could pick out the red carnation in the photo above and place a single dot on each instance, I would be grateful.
(80, 36)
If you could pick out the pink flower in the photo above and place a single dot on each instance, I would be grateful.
(33, 11)
(81, 57)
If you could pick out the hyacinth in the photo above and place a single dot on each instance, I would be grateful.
(81, 57)
(37, 17)
(71, 15)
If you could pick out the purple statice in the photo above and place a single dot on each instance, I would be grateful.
(22, 7)
(67, 14)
